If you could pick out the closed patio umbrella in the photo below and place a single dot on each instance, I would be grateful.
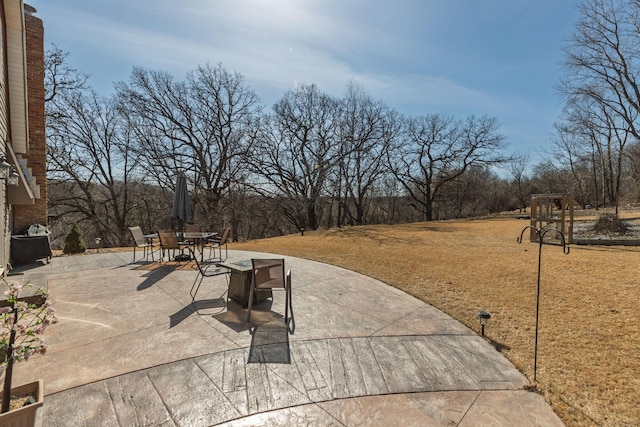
(181, 209)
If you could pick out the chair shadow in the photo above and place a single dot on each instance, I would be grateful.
(270, 343)
(292, 322)
(196, 307)
(155, 275)
(205, 304)
(235, 317)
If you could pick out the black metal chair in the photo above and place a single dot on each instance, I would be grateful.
(204, 270)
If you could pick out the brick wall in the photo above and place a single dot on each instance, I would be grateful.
(24, 216)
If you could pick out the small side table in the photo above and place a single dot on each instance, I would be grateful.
(240, 283)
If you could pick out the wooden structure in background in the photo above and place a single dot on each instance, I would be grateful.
(552, 210)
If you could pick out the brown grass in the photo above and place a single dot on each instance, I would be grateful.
(589, 339)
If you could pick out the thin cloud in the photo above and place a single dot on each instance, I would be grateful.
(419, 56)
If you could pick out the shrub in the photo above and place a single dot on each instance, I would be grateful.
(73, 243)
(610, 224)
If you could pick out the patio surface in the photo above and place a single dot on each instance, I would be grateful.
(131, 349)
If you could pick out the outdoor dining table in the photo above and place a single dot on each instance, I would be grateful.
(149, 238)
(197, 238)
(240, 283)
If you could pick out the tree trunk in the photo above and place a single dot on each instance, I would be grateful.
(6, 392)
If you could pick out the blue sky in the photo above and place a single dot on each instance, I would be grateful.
(496, 57)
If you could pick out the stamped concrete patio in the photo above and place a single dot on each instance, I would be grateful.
(131, 349)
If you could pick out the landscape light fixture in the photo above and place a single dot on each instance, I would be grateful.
(483, 316)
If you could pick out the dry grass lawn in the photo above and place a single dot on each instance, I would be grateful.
(589, 337)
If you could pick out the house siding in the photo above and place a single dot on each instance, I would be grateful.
(22, 117)
(16, 71)
(4, 125)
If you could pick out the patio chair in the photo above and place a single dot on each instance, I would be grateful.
(218, 242)
(139, 241)
(169, 242)
(269, 274)
(204, 270)
(191, 228)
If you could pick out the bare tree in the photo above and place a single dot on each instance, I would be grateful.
(295, 149)
(470, 195)
(550, 177)
(518, 167)
(437, 150)
(633, 153)
(59, 77)
(199, 125)
(90, 160)
(367, 129)
(602, 58)
(591, 140)
(602, 69)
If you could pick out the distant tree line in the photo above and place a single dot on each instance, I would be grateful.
(312, 161)
(316, 161)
